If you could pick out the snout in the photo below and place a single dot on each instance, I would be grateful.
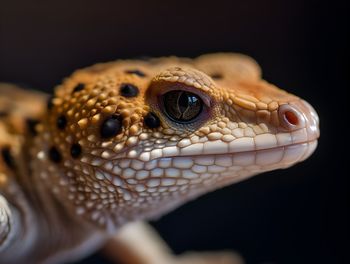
(300, 115)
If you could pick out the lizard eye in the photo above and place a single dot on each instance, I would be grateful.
(182, 106)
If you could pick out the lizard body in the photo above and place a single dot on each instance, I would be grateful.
(130, 140)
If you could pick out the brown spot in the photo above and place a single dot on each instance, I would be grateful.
(75, 150)
(216, 76)
(50, 102)
(111, 126)
(136, 72)
(78, 87)
(61, 122)
(7, 157)
(31, 125)
(129, 90)
(55, 155)
(3, 113)
(151, 120)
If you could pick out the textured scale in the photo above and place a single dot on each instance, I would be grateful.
(104, 152)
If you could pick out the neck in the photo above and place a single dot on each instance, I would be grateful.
(48, 228)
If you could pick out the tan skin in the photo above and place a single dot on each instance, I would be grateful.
(131, 140)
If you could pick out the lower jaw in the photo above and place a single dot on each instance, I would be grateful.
(251, 163)
(209, 169)
(221, 170)
(285, 156)
(237, 166)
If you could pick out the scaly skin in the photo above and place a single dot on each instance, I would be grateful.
(105, 153)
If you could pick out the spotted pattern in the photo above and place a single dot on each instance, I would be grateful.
(31, 124)
(7, 157)
(128, 90)
(3, 114)
(78, 87)
(61, 122)
(50, 102)
(55, 155)
(136, 72)
(75, 150)
(104, 152)
(151, 120)
(122, 157)
(19, 116)
(111, 126)
(216, 76)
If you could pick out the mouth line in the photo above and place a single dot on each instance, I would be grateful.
(249, 151)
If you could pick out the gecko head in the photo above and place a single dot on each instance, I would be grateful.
(136, 145)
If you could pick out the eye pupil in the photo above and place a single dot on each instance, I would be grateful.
(183, 102)
(182, 106)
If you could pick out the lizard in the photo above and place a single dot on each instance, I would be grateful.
(131, 140)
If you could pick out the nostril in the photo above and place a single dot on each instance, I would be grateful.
(291, 117)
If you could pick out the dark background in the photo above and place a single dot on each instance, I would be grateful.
(297, 215)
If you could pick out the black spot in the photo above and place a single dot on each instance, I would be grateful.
(151, 120)
(136, 72)
(54, 155)
(4, 113)
(111, 127)
(50, 102)
(31, 124)
(216, 76)
(7, 157)
(129, 90)
(75, 150)
(78, 87)
(61, 122)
